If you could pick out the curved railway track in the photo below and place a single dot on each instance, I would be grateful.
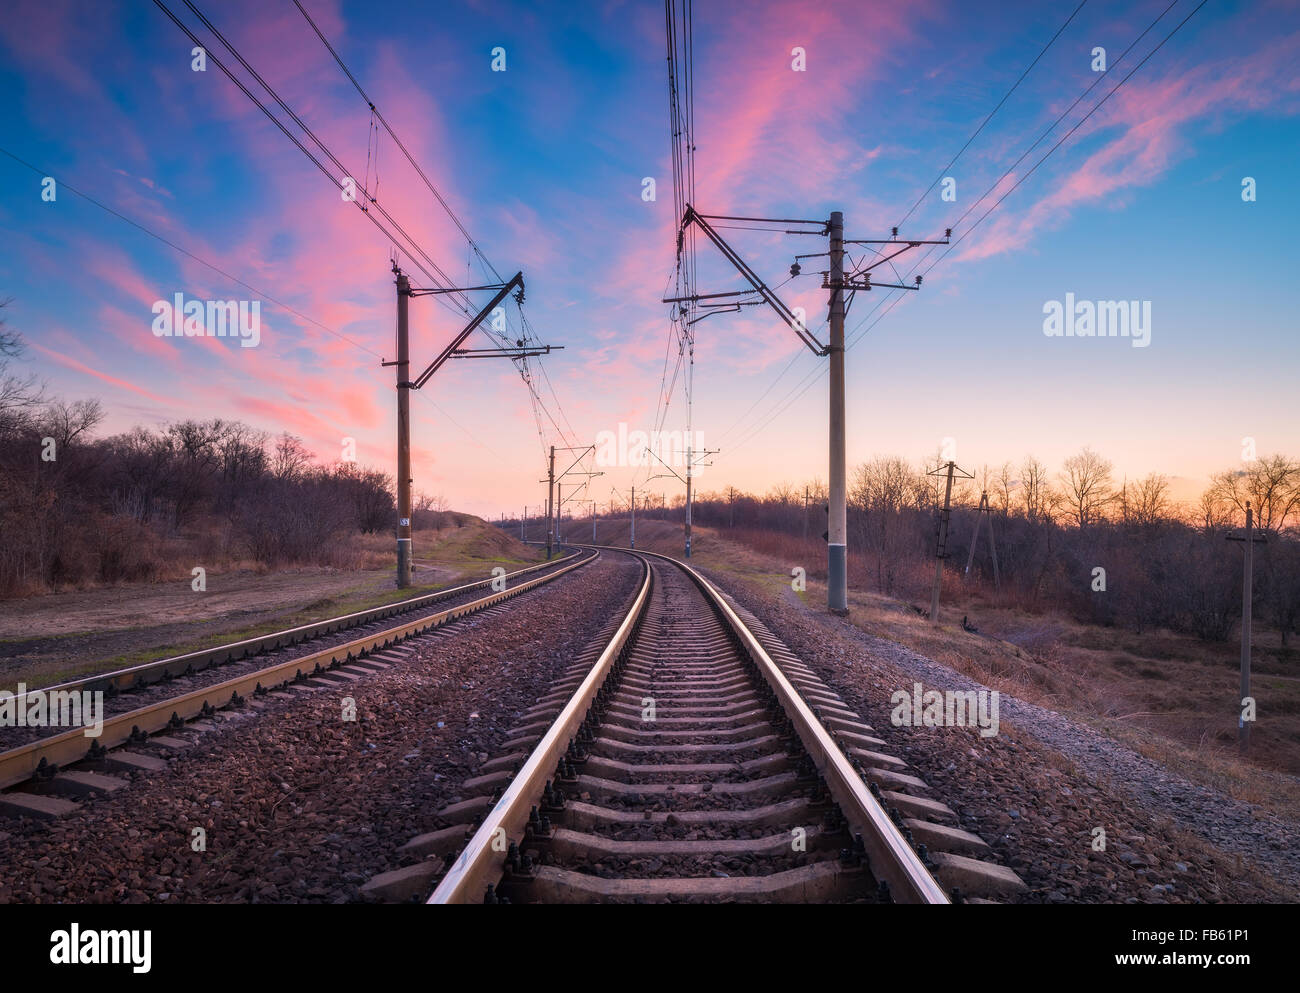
(341, 660)
(682, 761)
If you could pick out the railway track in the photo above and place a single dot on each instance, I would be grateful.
(690, 757)
(30, 772)
(134, 678)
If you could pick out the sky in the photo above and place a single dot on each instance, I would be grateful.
(544, 160)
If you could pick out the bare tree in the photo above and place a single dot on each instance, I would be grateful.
(1087, 487)
(66, 422)
(19, 395)
(1003, 483)
(1036, 497)
(881, 489)
(290, 458)
(1213, 513)
(1271, 484)
(1146, 502)
(434, 503)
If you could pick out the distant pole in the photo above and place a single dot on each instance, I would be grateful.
(550, 503)
(805, 513)
(688, 540)
(404, 555)
(837, 583)
(979, 519)
(523, 525)
(1243, 725)
(993, 547)
(1246, 597)
(941, 547)
(593, 522)
(689, 478)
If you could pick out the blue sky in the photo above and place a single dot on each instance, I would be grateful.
(544, 164)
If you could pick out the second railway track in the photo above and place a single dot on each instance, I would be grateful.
(681, 762)
(164, 696)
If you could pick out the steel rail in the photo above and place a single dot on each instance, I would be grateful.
(481, 863)
(145, 673)
(20, 764)
(891, 858)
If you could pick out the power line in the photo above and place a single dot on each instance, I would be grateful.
(64, 185)
(413, 249)
(442, 279)
(992, 112)
(293, 138)
(1046, 132)
(484, 261)
(410, 158)
(893, 294)
(1076, 127)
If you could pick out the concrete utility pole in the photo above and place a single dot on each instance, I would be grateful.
(593, 522)
(689, 494)
(688, 526)
(805, 513)
(550, 512)
(523, 525)
(405, 560)
(837, 589)
(559, 513)
(941, 544)
(554, 508)
(404, 563)
(1250, 539)
(691, 456)
(834, 280)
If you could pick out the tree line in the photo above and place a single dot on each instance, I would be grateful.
(1165, 563)
(77, 509)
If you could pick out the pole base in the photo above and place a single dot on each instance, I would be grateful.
(403, 563)
(837, 583)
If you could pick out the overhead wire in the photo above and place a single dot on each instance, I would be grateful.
(260, 293)
(890, 300)
(525, 335)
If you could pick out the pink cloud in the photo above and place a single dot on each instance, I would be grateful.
(71, 363)
(1149, 120)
